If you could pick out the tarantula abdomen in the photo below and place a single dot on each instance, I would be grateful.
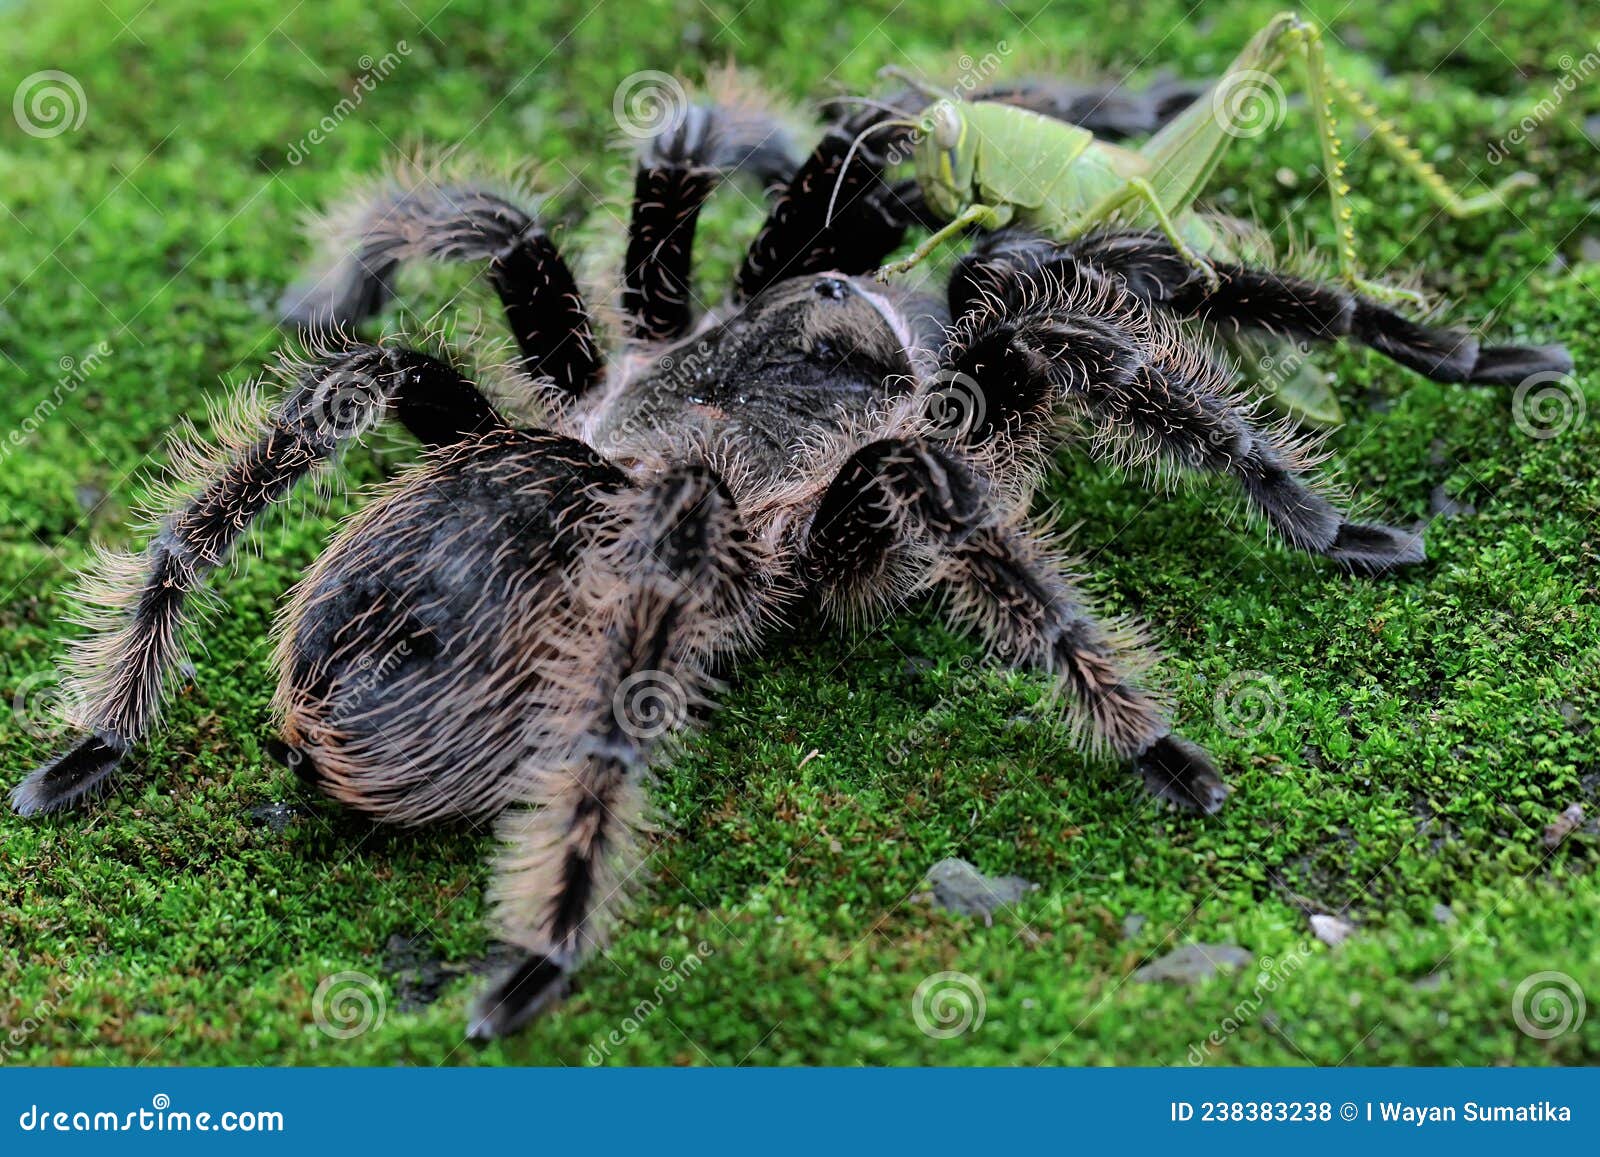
(411, 673)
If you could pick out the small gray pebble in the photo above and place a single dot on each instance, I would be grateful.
(1441, 505)
(1193, 963)
(960, 887)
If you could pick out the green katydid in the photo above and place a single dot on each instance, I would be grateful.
(989, 165)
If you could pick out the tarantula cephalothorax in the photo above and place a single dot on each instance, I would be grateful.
(520, 624)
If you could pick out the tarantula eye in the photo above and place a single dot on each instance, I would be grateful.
(831, 289)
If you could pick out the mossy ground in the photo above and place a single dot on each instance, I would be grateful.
(1424, 729)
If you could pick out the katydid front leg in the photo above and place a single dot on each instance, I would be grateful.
(983, 216)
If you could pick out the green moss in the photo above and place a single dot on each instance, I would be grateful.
(1423, 730)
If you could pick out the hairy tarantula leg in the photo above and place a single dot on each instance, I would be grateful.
(678, 169)
(676, 577)
(1249, 298)
(1112, 113)
(460, 223)
(1005, 582)
(118, 684)
(1149, 397)
(838, 214)
(1002, 580)
(1308, 310)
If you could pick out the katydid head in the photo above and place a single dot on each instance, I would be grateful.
(945, 158)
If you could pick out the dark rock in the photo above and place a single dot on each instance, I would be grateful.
(960, 887)
(1193, 963)
(1441, 505)
(276, 816)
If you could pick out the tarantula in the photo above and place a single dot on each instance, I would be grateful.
(521, 624)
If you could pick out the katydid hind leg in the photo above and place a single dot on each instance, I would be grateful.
(1184, 155)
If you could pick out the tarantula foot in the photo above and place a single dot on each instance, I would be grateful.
(1181, 773)
(1367, 548)
(69, 777)
(517, 997)
(1510, 365)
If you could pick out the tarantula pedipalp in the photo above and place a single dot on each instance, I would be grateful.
(519, 626)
